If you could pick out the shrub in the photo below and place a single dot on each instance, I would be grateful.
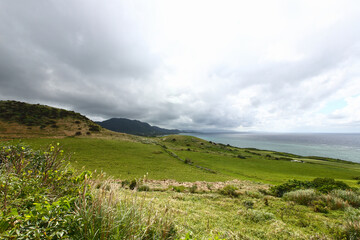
(193, 188)
(348, 196)
(254, 194)
(125, 183)
(323, 185)
(258, 216)
(133, 184)
(289, 186)
(178, 188)
(94, 128)
(229, 190)
(35, 187)
(303, 197)
(143, 188)
(334, 202)
(77, 133)
(248, 204)
(326, 185)
(351, 230)
(320, 206)
(188, 161)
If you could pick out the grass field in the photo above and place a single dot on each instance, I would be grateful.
(129, 159)
(204, 210)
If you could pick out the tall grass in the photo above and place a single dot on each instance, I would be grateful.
(303, 197)
(351, 197)
(115, 214)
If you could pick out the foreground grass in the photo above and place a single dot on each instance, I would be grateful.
(176, 157)
(249, 216)
(42, 198)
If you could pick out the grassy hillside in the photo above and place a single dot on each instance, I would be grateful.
(171, 187)
(186, 158)
(42, 198)
(18, 119)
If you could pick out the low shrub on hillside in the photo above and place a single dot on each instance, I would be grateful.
(324, 185)
(303, 197)
(178, 188)
(230, 190)
(258, 215)
(143, 188)
(350, 197)
(334, 202)
(38, 192)
(289, 186)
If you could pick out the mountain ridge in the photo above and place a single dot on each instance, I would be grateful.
(135, 127)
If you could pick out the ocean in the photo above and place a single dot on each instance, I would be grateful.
(345, 146)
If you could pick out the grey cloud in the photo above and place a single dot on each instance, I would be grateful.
(97, 59)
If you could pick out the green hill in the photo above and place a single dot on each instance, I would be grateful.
(19, 119)
(170, 187)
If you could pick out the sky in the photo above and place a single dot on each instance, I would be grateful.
(276, 66)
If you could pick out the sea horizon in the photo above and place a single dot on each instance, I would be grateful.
(344, 146)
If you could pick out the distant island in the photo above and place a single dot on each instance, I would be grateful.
(135, 127)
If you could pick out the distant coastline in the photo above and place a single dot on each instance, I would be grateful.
(344, 146)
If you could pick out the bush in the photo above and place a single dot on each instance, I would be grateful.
(133, 184)
(125, 183)
(303, 197)
(289, 186)
(143, 188)
(258, 216)
(178, 189)
(352, 230)
(320, 206)
(94, 128)
(188, 161)
(324, 185)
(229, 190)
(193, 188)
(35, 187)
(350, 197)
(248, 204)
(334, 202)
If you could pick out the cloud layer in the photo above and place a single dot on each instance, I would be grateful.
(264, 65)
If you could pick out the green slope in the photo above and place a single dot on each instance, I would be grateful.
(164, 158)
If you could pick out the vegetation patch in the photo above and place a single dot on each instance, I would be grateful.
(41, 197)
(324, 185)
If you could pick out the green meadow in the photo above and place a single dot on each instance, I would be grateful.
(186, 158)
(217, 192)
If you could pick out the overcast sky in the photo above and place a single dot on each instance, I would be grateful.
(237, 65)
